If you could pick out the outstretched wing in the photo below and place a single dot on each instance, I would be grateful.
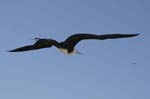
(40, 43)
(74, 39)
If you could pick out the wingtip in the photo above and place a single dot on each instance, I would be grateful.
(137, 34)
(10, 51)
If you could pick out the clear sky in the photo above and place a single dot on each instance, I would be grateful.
(110, 69)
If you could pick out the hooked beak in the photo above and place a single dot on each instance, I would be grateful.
(79, 53)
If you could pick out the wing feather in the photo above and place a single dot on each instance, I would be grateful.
(39, 44)
(74, 39)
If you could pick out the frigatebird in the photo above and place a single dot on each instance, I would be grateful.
(69, 44)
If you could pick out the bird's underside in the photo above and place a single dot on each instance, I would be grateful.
(68, 45)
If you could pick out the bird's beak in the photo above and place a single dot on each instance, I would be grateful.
(79, 53)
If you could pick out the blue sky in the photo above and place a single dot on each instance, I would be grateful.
(110, 69)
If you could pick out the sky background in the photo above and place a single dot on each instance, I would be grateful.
(110, 69)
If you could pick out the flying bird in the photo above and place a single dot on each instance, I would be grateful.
(68, 46)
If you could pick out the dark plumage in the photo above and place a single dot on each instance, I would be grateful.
(68, 45)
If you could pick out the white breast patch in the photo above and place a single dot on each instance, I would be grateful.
(65, 51)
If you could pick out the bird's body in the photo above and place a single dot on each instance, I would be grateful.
(68, 45)
(65, 51)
